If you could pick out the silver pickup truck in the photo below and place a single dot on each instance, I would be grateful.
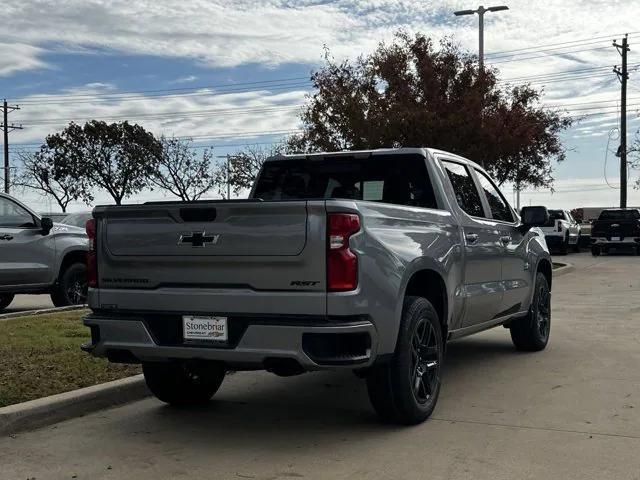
(38, 256)
(364, 260)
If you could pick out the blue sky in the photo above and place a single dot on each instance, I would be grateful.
(71, 60)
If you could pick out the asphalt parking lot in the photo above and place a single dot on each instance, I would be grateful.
(572, 411)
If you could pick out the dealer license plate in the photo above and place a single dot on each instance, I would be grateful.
(198, 328)
(615, 239)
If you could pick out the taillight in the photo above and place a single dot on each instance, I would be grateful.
(92, 259)
(342, 263)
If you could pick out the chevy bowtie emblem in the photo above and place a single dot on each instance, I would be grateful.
(198, 239)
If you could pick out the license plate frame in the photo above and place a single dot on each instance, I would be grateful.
(209, 329)
(616, 239)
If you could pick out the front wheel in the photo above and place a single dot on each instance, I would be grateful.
(405, 389)
(5, 300)
(183, 383)
(531, 333)
(595, 251)
(71, 288)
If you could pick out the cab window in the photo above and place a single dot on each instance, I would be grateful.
(464, 188)
(13, 215)
(500, 209)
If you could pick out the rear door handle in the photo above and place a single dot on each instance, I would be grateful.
(505, 239)
(471, 237)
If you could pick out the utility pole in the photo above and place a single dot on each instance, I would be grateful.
(228, 158)
(6, 128)
(481, 11)
(623, 76)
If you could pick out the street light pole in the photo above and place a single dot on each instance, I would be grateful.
(481, 11)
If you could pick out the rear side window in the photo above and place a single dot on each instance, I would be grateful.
(464, 188)
(396, 179)
(500, 209)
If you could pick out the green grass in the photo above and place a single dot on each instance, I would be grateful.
(40, 355)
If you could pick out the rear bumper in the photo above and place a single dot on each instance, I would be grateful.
(312, 344)
(623, 242)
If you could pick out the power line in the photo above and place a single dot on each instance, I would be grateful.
(604, 37)
(30, 99)
(547, 55)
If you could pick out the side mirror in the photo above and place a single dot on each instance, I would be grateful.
(533, 217)
(46, 224)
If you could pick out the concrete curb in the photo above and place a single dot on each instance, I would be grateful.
(56, 408)
(566, 268)
(44, 311)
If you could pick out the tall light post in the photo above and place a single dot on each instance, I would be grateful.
(481, 11)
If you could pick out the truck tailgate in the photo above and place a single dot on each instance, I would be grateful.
(209, 256)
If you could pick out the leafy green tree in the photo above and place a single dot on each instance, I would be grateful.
(411, 94)
(118, 157)
(182, 171)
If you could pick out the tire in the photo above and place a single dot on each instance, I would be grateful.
(531, 333)
(184, 383)
(564, 248)
(392, 385)
(5, 300)
(576, 247)
(595, 251)
(71, 288)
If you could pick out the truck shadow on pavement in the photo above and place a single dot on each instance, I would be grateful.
(257, 409)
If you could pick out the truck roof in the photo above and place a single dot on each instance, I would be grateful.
(379, 151)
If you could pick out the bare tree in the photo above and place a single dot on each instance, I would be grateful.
(244, 167)
(182, 171)
(37, 173)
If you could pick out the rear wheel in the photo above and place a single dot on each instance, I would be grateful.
(183, 383)
(595, 251)
(576, 247)
(532, 332)
(405, 390)
(5, 300)
(71, 288)
(564, 248)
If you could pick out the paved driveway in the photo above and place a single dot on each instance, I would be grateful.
(572, 411)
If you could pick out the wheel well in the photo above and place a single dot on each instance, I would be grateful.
(544, 267)
(71, 258)
(430, 285)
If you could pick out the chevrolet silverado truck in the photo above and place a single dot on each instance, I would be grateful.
(616, 228)
(38, 256)
(362, 260)
(562, 231)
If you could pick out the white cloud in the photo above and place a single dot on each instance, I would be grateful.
(16, 57)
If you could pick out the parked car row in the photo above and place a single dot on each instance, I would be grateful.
(615, 229)
(39, 256)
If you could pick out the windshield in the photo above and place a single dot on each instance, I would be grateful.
(76, 219)
(398, 179)
(556, 215)
(619, 215)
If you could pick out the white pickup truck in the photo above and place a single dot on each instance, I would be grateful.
(562, 231)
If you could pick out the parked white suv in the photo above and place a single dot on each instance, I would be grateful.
(562, 231)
